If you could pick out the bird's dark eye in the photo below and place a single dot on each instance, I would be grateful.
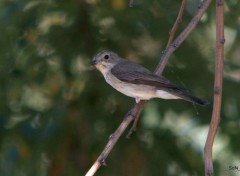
(106, 56)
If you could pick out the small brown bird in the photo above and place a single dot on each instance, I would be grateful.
(136, 81)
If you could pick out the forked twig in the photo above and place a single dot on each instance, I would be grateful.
(170, 40)
(182, 36)
(217, 87)
(135, 111)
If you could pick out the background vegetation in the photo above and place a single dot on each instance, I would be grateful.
(56, 113)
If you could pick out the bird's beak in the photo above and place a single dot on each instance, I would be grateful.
(93, 62)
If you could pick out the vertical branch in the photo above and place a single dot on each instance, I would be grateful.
(217, 86)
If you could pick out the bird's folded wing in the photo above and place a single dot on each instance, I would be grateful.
(145, 78)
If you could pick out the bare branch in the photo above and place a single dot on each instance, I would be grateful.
(217, 86)
(135, 111)
(137, 108)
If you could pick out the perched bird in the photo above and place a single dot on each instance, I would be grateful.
(136, 81)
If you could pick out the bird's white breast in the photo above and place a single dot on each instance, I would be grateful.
(143, 92)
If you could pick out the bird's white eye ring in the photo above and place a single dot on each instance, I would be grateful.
(106, 56)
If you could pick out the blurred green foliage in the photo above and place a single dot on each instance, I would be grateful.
(56, 113)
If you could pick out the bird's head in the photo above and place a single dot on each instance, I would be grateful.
(105, 61)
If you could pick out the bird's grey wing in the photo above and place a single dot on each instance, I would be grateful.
(136, 74)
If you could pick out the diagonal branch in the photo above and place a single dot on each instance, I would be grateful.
(217, 86)
(137, 108)
(135, 111)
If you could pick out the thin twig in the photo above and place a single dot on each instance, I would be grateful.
(176, 24)
(183, 35)
(135, 111)
(217, 86)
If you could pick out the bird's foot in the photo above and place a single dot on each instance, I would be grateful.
(137, 100)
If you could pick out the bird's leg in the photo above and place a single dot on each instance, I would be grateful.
(137, 100)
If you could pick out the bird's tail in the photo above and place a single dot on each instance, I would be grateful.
(176, 93)
(193, 99)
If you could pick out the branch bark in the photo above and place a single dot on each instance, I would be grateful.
(137, 108)
(219, 57)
